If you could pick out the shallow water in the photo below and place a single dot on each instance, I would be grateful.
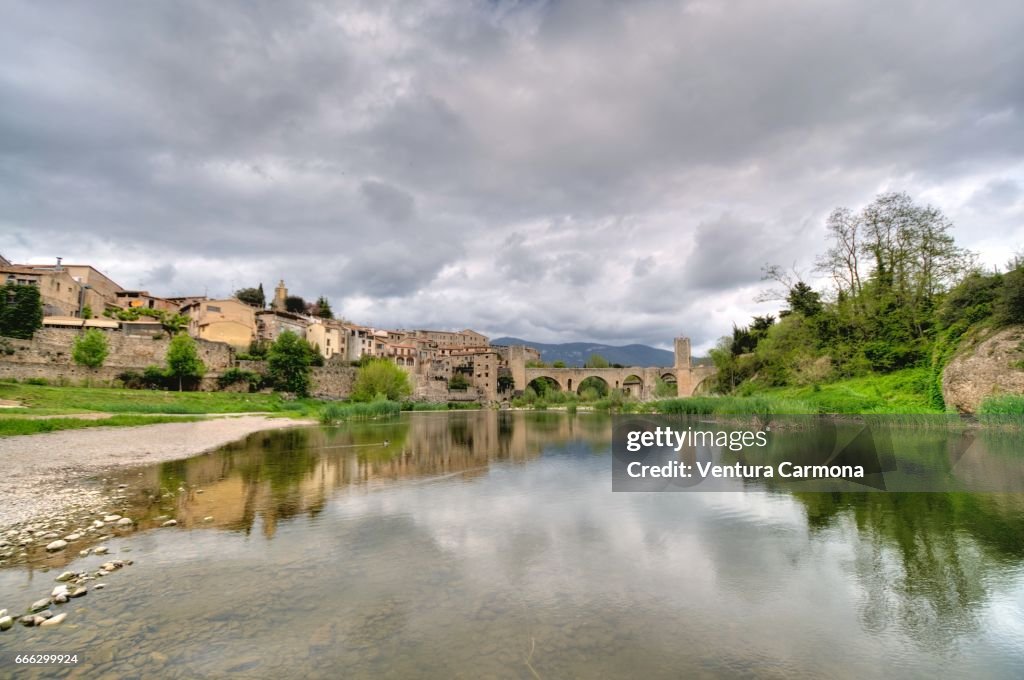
(489, 544)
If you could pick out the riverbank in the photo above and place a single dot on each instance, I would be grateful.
(47, 476)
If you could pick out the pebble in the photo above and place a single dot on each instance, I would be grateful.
(6, 622)
(84, 553)
(66, 576)
(98, 524)
(100, 586)
(124, 522)
(101, 550)
(170, 523)
(72, 537)
(208, 519)
(80, 591)
(57, 545)
(111, 518)
(39, 605)
(60, 599)
(59, 590)
(54, 621)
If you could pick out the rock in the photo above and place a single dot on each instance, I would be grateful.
(124, 522)
(39, 605)
(6, 622)
(28, 620)
(98, 524)
(56, 545)
(199, 490)
(100, 586)
(111, 518)
(170, 523)
(84, 553)
(72, 537)
(101, 550)
(60, 599)
(122, 486)
(55, 620)
(984, 365)
(80, 591)
(66, 576)
(59, 590)
(208, 519)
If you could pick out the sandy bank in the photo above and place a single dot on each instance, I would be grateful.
(43, 475)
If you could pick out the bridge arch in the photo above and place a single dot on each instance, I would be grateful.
(542, 384)
(594, 382)
(633, 385)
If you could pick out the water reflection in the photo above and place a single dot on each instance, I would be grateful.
(274, 476)
(466, 544)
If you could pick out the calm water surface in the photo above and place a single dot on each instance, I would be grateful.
(489, 545)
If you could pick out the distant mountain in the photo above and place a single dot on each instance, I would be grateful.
(577, 353)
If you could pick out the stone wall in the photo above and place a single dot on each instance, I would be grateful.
(333, 380)
(48, 356)
(986, 365)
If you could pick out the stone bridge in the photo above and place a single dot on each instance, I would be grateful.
(639, 382)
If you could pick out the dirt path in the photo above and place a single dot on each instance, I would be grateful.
(43, 475)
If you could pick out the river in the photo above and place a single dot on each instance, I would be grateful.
(490, 545)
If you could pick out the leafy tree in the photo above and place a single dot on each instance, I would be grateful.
(592, 388)
(380, 377)
(804, 300)
(1009, 306)
(21, 311)
(506, 382)
(558, 364)
(596, 361)
(295, 304)
(183, 359)
(288, 362)
(458, 382)
(90, 348)
(86, 312)
(322, 308)
(253, 297)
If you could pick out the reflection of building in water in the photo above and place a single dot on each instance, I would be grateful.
(277, 475)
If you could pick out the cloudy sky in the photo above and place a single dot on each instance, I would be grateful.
(557, 170)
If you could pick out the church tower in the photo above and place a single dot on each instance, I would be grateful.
(280, 293)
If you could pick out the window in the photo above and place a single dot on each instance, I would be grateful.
(212, 308)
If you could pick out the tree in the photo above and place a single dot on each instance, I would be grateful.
(183, 359)
(295, 304)
(21, 311)
(253, 297)
(665, 390)
(322, 308)
(458, 382)
(288, 363)
(558, 364)
(596, 361)
(86, 312)
(90, 349)
(381, 378)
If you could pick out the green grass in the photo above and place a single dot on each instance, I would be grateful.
(10, 427)
(336, 411)
(44, 400)
(900, 392)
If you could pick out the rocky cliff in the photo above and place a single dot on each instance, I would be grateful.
(986, 364)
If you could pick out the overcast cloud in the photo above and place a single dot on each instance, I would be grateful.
(561, 170)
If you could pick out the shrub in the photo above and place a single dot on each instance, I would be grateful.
(90, 349)
(183, 360)
(381, 377)
(36, 381)
(236, 375)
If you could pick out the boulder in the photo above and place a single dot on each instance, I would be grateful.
(985, 365)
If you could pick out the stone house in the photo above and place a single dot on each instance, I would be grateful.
(229, 321)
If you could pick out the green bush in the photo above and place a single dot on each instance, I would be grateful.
(36, 381)
(381, 377)
(90, 349)
(236, 375)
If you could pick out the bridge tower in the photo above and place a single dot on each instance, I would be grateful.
(682, 347)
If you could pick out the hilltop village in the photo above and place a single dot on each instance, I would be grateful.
(77, 297)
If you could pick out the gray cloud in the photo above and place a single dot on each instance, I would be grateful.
(560, 170)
